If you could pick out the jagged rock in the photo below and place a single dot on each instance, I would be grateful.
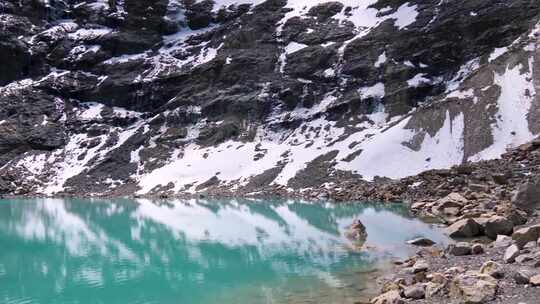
(527, 196)
(326, 10)
(190, 65)
(464, 228)
(493, 269)
(421, 242)
(173, 134)
(459, 249)
(199, 14)
(414, 292)
(473, 287)
(390, 297)
(511, 253)
(498, 225)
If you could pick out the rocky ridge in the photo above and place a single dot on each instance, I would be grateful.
(259, 97)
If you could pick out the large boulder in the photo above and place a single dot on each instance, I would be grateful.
(464, 228)
(527, 234)
(473, 287)
(527, 196)
(498, 225)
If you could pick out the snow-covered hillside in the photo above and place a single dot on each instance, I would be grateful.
(189, 96)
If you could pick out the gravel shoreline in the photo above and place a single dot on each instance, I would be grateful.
(491, 211)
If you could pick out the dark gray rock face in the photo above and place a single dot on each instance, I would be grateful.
(117, 97)
(527, 196)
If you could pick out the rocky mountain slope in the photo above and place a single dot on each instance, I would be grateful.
(166, 97)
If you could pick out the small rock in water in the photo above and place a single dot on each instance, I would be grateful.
(356, 232)
(421, 242)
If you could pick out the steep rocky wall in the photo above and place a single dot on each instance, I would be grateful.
(175, 96)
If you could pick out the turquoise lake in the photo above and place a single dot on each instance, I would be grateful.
(195, 251)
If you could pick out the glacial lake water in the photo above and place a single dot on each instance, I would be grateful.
(195, 251)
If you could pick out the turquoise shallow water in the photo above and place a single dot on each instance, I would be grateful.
(196, 251)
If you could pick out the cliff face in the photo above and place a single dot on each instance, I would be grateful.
(121, 97)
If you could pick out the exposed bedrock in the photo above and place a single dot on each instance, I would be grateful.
(167, 97)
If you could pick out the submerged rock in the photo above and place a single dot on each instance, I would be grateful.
(356, 232)
(421, 242)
